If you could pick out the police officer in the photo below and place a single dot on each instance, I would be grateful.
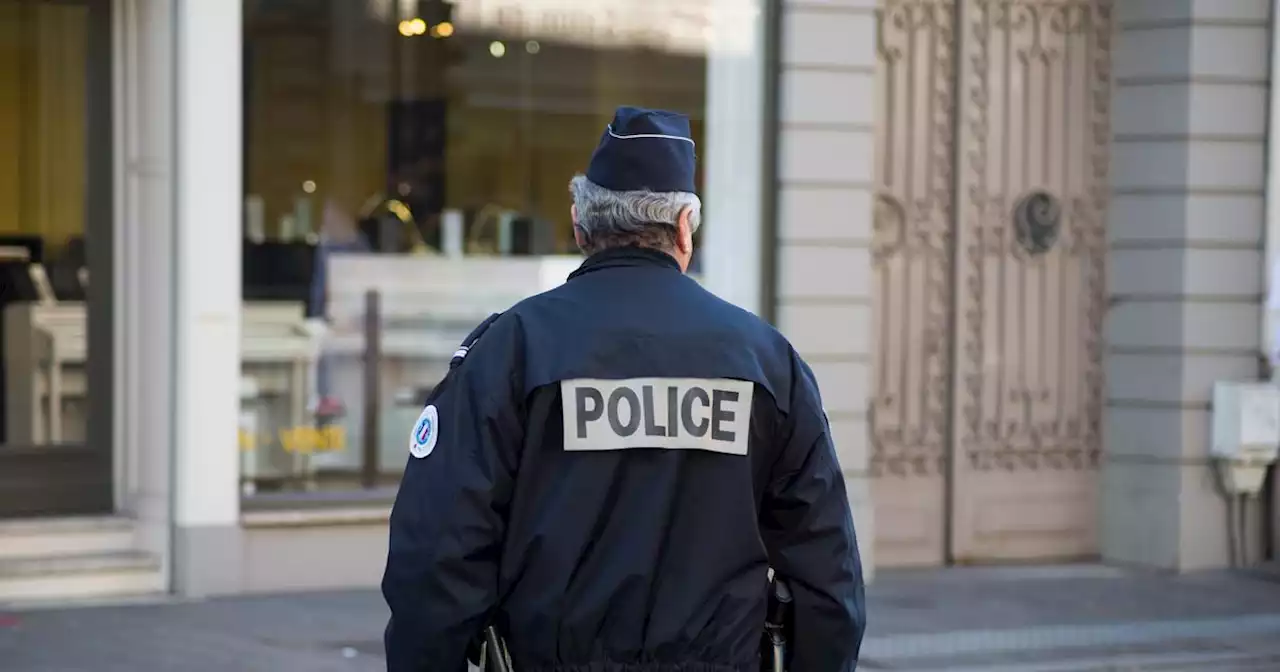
(609, 469)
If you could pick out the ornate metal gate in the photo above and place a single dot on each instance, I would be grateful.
(989, 253)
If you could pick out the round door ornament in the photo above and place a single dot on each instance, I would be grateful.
(1037, 219)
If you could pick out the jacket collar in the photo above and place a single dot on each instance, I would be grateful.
(630, 256)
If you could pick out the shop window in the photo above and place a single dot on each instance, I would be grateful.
(384, 127)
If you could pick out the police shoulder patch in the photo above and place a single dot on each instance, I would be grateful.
(425, 432)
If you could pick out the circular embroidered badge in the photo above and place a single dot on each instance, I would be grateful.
(425, 433)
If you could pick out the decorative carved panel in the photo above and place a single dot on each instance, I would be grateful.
(1032, 240)
(912, 244)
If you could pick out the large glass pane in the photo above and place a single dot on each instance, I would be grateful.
(54, 194)
(416, 132)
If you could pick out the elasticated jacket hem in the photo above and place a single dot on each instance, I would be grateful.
(610, 666)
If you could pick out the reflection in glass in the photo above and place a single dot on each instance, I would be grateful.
(476, 107)
(421, 127)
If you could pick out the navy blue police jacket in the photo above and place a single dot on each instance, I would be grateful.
(606, 475)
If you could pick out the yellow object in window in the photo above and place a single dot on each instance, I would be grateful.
(308, 440)
(333, 438)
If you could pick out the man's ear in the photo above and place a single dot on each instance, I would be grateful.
(578, 236)
(684, 232)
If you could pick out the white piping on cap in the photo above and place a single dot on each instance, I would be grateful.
(648, 135)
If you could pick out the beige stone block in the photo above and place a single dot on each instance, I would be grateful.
(849, 435)
(1201, 371)
(1203, 541)
(1149, 165)
(1156, 271)
(1222, 326)
(1225, 217)
(822, 213)
(1172, 379)
(826, 97)
(1174, 165)
(1226, 109)
(1166, 324)
(1146, 219)
(825, 38)
(1223, 273)
(1167, 514)
(858, 487)
(1154, 378)
(831, 329)
(1138, 433)
(826, 156)
(844, 385)
(1145, 324)
(1193, 271)
(1225, 165)
(1151, 53)
(1169, 219)
(1154, 109)
(823, 272)
(1139, 514)
(1236, 10)
(1146, 11)
(1235, 51)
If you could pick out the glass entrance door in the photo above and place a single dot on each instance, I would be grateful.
(55, 257)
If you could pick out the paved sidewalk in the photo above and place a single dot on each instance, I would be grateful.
(1079, 618)
(1051, 619)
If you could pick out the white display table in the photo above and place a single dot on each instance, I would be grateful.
(427, 306)
(45, 350)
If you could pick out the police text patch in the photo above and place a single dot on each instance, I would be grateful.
(671, 413)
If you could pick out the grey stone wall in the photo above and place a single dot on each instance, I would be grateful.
(1186, 266)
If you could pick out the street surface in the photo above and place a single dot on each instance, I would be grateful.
(1082, 618)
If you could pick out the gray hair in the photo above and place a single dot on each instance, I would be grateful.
(610, 218)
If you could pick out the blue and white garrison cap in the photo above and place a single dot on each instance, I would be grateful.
(644, 150)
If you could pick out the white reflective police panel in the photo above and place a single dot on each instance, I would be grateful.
(670, 413)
